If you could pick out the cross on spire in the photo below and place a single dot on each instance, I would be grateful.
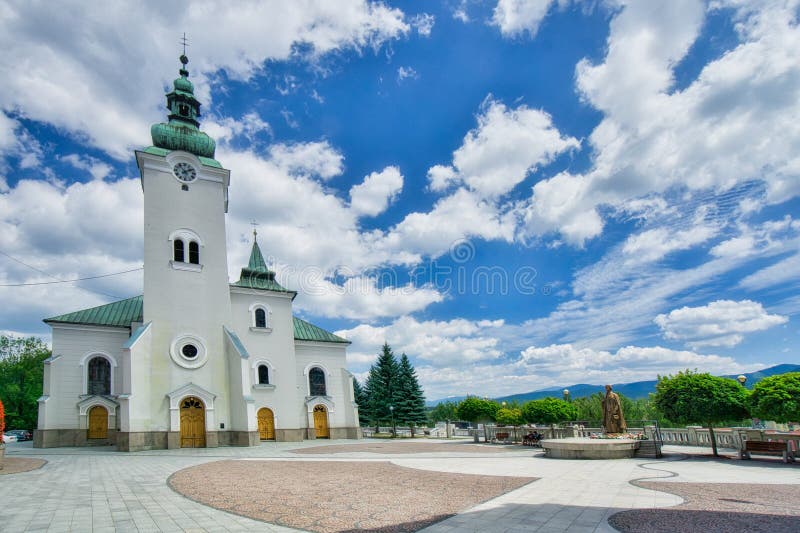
(184, 42)
(255, 231)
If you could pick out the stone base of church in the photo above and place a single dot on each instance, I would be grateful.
(290, 435)
(142, 440)
(161, 440)
(238, 438)
(57, 438)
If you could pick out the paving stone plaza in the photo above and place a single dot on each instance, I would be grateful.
(98, 489)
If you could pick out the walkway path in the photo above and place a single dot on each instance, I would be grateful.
(83, 489)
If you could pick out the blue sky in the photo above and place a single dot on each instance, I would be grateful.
(517, 194)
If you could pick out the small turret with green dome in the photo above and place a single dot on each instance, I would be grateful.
(182, 131)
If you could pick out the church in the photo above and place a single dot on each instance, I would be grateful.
(196, 361)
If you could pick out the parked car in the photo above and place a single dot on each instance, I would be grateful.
(22, 434)
(9, 438)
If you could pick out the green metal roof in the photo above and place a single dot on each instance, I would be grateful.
(207, 161)
(261, 283)
(305, 331)
(116, 314)
(256, 275)
(122, 313)
(257, 259)
(181, 132)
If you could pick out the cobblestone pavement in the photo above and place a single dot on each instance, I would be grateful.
(85, 489)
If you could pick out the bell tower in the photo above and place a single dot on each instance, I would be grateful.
(186, 286)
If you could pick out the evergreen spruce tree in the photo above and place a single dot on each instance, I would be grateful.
(361, 400)
(369, 386)
(410, 407)
(381, 388)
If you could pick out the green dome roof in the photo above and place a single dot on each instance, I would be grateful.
(183, 84)
(176, 136)
(182, 132)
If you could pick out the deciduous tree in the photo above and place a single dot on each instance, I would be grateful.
(474, 409)
(690, 398)
(548, 411)
(21, 374)
(509, 416)
(443, 412)
(777, 398)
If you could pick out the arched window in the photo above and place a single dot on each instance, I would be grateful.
(99, 376)
(261, 318)
(263, 375)
(178, 254)
(194, 253)
(316, 382)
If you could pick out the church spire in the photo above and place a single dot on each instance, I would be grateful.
(256, 263)
(257, 275)
(182, 131)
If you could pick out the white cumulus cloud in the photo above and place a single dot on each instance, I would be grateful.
(436, 342)
(514, 17)
(372, 196)
(505, 147)
(82, 67)
(720, 323)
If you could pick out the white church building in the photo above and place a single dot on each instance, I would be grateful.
(196, 361)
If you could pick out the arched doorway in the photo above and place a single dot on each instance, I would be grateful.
(98, 422)
(193, 423)
(266, 424)
(321, 422)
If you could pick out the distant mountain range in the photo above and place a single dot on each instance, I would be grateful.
(638, 389)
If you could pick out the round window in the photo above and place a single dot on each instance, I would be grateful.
(189, 351)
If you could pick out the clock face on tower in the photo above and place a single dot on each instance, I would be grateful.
(184, 172)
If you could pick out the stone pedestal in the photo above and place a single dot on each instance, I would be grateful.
(581, 448)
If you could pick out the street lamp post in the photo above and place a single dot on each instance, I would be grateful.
(394, 428)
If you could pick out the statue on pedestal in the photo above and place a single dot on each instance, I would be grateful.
(613, 419)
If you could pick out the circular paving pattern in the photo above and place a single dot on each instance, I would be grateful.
(15, 465)
(336, 496)
(409, 447)
(717, 508)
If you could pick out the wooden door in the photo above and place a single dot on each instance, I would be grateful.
(98, 422)
(321, 422)
(193, 423)
(266, 424)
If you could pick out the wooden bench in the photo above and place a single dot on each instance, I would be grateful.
(766, 448)
(500, 437)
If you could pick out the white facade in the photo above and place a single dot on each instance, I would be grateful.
(192, 337)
